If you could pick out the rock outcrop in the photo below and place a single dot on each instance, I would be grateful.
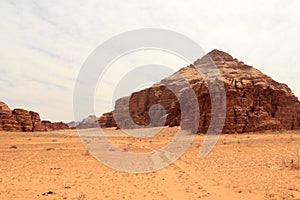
(73, 124)
(107, 120)
(49, 126)
(254, 101)
(88, 122)
(25, 121)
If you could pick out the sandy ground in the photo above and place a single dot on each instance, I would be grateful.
(55, 165)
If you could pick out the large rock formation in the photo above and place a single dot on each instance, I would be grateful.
(255, 102)
(26, 121)
(107, 120)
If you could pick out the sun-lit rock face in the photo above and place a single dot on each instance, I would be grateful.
(23, 120)
(254, 101)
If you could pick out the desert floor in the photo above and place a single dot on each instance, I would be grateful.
(56, 165)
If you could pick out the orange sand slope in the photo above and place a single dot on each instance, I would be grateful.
(55, 165)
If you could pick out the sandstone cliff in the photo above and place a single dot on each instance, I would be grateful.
(26, 121)
(255, 102)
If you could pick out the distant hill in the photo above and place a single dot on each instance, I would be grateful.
(88, 122)
(73, 124)
(26, 121)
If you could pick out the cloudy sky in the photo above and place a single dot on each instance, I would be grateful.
(44, 43)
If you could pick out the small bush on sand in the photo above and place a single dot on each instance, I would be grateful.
(81, 196)
(293, 163)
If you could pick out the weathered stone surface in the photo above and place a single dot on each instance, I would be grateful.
(23, 120)
(4, 107)
(36, 122)
(255, 102)
(52, 126)
(7, 120)
(107, 120)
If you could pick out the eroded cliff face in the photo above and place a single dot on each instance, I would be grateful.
(25, 121)
(254, 101)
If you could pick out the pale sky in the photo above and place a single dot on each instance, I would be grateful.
(44, 43)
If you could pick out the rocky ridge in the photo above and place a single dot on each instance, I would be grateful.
(254, 101)
(88, 122)
(25, 121)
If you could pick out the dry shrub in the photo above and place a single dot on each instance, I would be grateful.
(293, 162)
(81, 196)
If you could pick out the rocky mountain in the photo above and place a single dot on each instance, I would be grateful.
(88, 122)
(26, 121)
(254, 101)
(73, 124)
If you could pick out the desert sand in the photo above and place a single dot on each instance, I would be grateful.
(56, 165)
